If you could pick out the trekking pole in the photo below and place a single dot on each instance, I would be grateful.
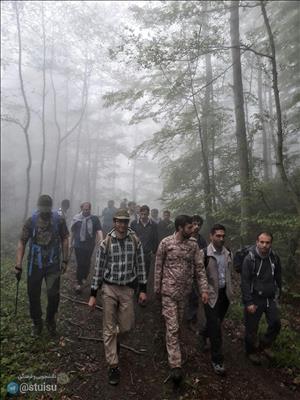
(18, 277)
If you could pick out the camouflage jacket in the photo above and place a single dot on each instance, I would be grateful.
(175, 266)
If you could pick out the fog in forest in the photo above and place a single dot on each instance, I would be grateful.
(170, 104)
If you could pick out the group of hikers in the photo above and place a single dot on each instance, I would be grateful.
(188, 273)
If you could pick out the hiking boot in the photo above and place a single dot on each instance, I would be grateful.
(37, 328)
(254, 358)
(77, 289)
(218, 368)
(113, 375)
(268, 353)
(51, 326)
(176, 375)
(203, 344)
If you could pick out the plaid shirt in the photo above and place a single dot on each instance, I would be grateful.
(121, 264)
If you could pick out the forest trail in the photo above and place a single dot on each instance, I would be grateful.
(143, 377)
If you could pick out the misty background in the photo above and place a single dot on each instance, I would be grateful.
(142, 100)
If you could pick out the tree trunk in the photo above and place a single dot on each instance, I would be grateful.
(75, 169)
(240, 118)
(61, 139)
(268, 134)
(25, 127)
(265, 155)
(43, 104)
(280, 159)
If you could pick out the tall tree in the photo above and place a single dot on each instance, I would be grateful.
(265, 153)
(24, 126)
(240, 117)
(43, 101)
(280, 157)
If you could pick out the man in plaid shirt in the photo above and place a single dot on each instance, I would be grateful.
(119, 264)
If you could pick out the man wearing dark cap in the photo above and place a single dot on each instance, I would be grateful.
(119, 264)
(48, 236)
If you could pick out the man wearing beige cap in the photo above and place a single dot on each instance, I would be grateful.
(119, 266)
(48, 235)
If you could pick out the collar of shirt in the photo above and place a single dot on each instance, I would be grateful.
(148, 222)
(113, 234)
(216, 251)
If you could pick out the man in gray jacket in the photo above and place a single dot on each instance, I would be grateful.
(218, 263)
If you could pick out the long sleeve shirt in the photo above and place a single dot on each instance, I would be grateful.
(119, 262)
(176, 264)
(147, 234)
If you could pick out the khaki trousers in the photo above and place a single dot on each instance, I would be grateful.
(173, 311)
(118, 317)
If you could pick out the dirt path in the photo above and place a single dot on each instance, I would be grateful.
(143, 376)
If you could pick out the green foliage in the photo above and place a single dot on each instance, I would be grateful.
(21, 354)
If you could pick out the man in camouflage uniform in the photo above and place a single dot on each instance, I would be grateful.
(178, 259)
(48, 234)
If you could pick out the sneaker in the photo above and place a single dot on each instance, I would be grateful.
(37, 328)
(176, 375)
(218, 368)
(51, 326)
(113, 375)
(254, 358)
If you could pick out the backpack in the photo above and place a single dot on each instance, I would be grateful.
(35, 249)
(239, 257)
(243, 252)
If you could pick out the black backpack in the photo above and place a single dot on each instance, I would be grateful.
(239, 257)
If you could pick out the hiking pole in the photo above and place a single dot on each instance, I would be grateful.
(18, 277)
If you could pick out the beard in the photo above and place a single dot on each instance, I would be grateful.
(45, 215)
(186, 235)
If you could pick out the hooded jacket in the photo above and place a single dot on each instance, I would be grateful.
(261, 276)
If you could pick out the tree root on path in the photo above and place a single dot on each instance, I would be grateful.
(124, 346)
(78, 301)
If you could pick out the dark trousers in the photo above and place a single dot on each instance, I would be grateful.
(83, 260)
(214, 317)
(270, 309)
(34, 286)
(147, 258)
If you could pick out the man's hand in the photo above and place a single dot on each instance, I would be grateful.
(251, 309)
(142, 299)
(63, 267)
(204, 297)
(18, 272)
(92, 303)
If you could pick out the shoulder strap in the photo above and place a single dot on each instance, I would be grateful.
(135, 241)
(34, 218)
(55, 220)
(252, 258)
